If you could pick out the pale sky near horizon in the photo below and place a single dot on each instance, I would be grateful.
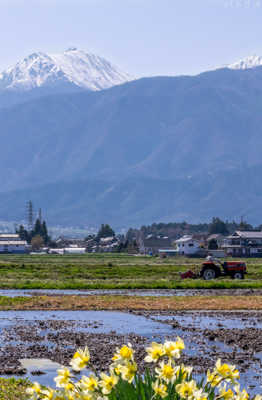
(143, 37)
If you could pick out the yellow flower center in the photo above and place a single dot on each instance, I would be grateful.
(168, 371)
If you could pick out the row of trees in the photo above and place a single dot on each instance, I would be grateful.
(174, 229)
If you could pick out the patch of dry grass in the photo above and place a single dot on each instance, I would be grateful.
(135, 303)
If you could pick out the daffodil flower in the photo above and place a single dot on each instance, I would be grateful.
(108, 382)
(187, 390)
(81, 359)
(160, 389)
(166, 372)
(126, 353)
(155, 351)
(63, 377)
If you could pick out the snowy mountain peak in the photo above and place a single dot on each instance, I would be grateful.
(246, 63)
(74, 66)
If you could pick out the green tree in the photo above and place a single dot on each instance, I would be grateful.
(23, 234)
(212, 245)
(218, 226)
(244, 226)
(40, 229)
(37, 228)
(44, 233)
(105, 231)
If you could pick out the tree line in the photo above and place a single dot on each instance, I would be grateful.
(177, 229)
(38, 236)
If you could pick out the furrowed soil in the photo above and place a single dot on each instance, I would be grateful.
(112, 271)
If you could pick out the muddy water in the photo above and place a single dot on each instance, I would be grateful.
(211, 320)
(231, 336)
(91, 321)
(133, 292)
(55, 335)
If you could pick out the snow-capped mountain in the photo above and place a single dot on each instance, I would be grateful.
(246, 63)
(73, 66)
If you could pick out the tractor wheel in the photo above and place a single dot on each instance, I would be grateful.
(238, 275)
(209, 274)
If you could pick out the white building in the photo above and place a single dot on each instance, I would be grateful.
(74, 250)
(186, 245)
(11, 243)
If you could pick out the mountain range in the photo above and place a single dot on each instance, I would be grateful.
(129, 152)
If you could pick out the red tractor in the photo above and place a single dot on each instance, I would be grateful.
(213, 269)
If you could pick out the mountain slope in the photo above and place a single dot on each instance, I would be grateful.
(162, 148)
(140, 200)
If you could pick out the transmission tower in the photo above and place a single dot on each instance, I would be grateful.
(40, 215)
(29, 215)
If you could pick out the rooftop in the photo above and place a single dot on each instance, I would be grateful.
(247, 235)
(185, 238)
(13, 242)
(9, 235)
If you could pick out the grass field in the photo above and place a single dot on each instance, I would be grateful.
(12, 389)
(109, 271)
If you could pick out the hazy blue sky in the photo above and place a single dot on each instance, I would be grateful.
(144, 37)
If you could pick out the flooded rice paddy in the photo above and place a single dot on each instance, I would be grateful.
(53, 337)
(130, 292)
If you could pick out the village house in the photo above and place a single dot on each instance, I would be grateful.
(152, 244)
(10, 243)
(244, 243)
(63, 242)
(188, 246)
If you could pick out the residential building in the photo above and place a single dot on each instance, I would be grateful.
(187, 246)
(152, 244)
(10, 243)
(244, 243)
